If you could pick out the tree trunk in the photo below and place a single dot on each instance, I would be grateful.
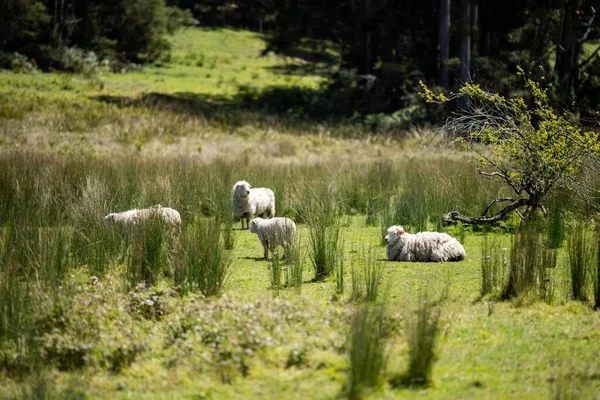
(474, 28)
(368, 50)
(568, 51)
(444, 42)
(465, 48)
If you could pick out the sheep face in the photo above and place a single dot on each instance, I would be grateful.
(110, 219)
(254, 224)
(242, 189)
(394, 234)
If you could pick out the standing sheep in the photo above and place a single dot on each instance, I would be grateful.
(423, 246)
(274, 232)
(248, 202)
(169, 216)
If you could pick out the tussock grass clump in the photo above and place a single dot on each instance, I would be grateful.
(423, 333)
(531, 265)
(322, 215)
(596, 271)
(494, 260)
(367, 277)
(367, 350)
(556, 223)
(204, 263)
(295, 268)
(275, 274)
(16, 312)
(149, 251)
(42, 254)
(581, 256)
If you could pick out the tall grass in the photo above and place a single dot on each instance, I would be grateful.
(150, 249)
(16, 313)
(367, 350)
(596, 274)
(580, 255)
(322, 215)
(556, 222)
(367, 277)
(493, 261)
(204, 263)
(295, 269)
(531, 263)
(423, 332)
(275, 274)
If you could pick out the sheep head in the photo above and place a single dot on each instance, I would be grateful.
(393, 235)
(110, 218)
(241, 188)
(254, 224)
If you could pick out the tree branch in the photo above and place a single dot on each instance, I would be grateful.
(454, 216)
(504, 177)
(501, 200)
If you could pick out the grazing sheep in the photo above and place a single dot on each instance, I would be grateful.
(167, 215)
(423, 246)
(274, 232)
(248, 202)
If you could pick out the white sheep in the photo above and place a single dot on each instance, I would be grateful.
(247, 202)
(274, 232)
(423, 246)
(169, 216)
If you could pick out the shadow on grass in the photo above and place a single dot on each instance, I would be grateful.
(252, 258)
(405, 381)
(291, 104)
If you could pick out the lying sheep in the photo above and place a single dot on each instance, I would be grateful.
(423, 246)
(170, 217)
(274, 232)
(248, 202)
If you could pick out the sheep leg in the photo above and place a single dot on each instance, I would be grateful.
(266, 249)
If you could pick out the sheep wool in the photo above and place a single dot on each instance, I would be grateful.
(422, 246)
(247, 203)
(169, 216)
(275, 232)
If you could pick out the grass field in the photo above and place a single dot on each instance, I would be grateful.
(77, 321)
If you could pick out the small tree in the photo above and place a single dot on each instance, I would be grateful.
(531, 149)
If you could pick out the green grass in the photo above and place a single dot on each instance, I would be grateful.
(74, 148)
(480, 355)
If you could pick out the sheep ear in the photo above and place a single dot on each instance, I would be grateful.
(400, 231)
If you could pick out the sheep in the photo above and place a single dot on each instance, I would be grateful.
(423, 246)
(247, 203)
(169, 216)
(274, 232)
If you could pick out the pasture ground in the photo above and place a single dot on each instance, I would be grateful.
(168, 125)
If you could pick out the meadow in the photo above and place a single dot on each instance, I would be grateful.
(88, 311)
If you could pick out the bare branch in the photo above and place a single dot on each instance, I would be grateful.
(454, 216)
(501, 200)
(519, 191)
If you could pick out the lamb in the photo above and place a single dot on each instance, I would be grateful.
(274, 232)
(248, 202)
(423, 246)
(169, 216)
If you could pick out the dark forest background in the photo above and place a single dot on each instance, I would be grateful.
(385, 46)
